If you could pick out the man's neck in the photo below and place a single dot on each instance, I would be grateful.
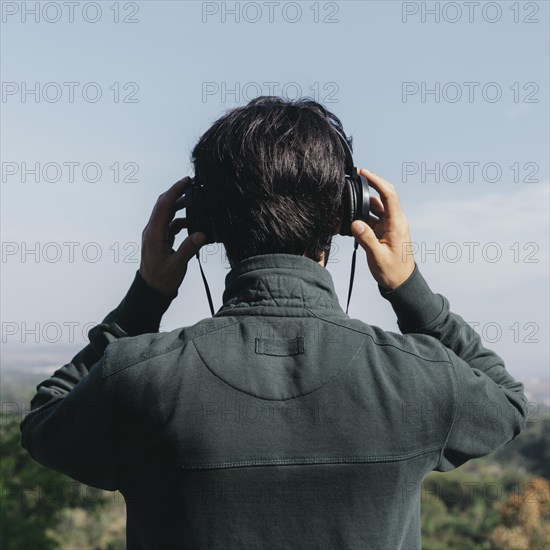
(321, 262)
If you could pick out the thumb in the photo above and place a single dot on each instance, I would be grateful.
(364, 235)
(190, 246)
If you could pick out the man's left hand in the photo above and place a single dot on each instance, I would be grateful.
(162, 267)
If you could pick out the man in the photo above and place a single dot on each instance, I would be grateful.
(281, 422)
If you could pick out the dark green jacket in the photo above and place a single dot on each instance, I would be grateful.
(279, 423)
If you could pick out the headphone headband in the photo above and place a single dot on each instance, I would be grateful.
(349, 164)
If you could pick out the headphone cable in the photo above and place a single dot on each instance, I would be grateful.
(352, 274)
(206, 286)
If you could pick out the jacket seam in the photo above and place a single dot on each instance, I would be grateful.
(146, 358)
(456, 400)
(214, 329)
(229, 312)
(426, 327)
(336, 375)
(150, 355)
(381, 343)
(304, 460)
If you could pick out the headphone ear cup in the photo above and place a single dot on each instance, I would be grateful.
(349, 207)
(363, 199)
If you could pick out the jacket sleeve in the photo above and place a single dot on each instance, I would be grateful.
(69, 427)
(490, 407)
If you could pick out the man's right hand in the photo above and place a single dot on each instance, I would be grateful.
(386, 240)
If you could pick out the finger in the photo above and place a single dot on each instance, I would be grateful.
(388, 194)
(373, 220)
(163, 212)
(376, 205)
(178, 188)
(177, 225)
(180, 203)
(366, 238)
(190, 246)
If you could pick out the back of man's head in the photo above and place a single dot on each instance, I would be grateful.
(274, 175)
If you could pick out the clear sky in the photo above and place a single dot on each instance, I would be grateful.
(449, 105)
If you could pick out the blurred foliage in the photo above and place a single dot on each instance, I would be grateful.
(43, 509)
(530, 450)
(525, 518)
(499, 501)
(488, 509)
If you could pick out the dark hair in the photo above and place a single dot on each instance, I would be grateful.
(274, 175)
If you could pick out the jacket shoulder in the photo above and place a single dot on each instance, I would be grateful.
(423, 346)
(128, 351)
(133, 350)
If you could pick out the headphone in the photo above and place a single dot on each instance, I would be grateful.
(355, 206)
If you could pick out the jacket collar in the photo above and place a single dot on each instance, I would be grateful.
(280, 285)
